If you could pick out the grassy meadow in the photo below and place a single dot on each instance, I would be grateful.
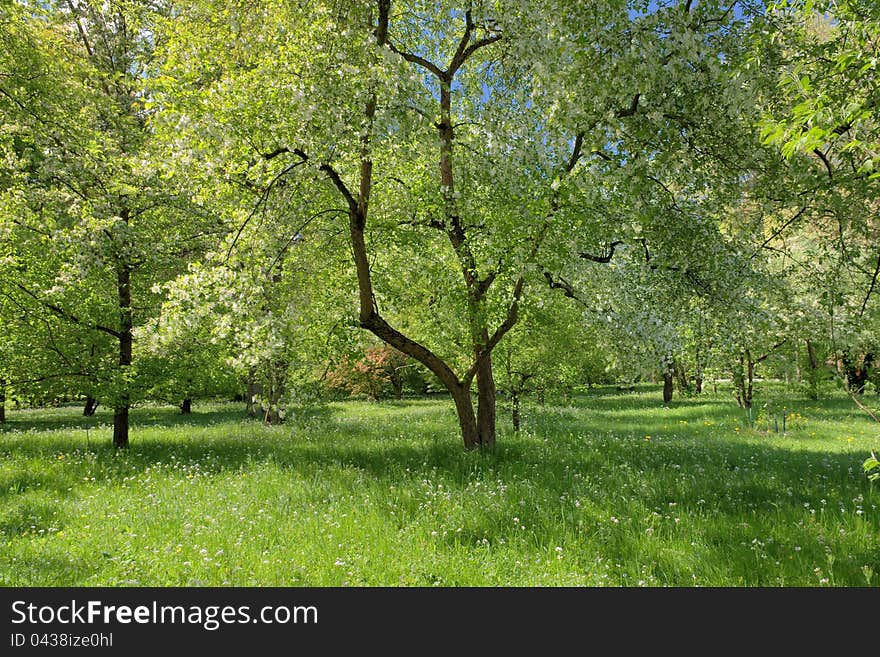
(608, 488)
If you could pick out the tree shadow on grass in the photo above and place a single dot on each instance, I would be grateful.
(739, 491)
(649, 416)
(18, 482)
(71, 418)
(48, 570)
(436, 449)
(736, 488)
(28, 516)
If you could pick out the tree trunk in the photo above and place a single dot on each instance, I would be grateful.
(738, 376)
(680, 377)
(698, 367)
(667, 385)
(811, 355)
(857, 371)
(515, 398)
(126, 339)
(467, 421)
(2, 400)
(743, 379)
(186, 406)
(358, 209)
(90, 406)
(849, 370)
(253, 389)
(396, 382)
(486, 402)
(867, 365)
(750, 375)
(276, 381)
(812, 371)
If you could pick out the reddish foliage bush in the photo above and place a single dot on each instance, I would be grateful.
(377, 374)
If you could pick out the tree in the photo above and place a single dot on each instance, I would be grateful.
(467, 140)
(378, 372)
(828, 83)
(93, 228)
(557, 348)
(257, 311)
(822, 115)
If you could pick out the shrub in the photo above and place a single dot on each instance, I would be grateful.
(378, 374)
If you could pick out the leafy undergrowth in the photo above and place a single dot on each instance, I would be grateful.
(607, 489)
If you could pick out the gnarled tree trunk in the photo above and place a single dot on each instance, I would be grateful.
(476, 428)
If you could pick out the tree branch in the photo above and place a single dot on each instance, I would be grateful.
(47, 377)
(66, 315)
(297, 235)
(508, 323)
(337, 181)
(513, 309)
(483, 286)
(825, 161)
(764, 357)
(377, 325)
(667, 190)
(631, 110)
(870, 289)
(465, 48)
(281, 150)
(779, 230)
(477, 45)
(459, 56)
(429, 223)
(567, 288)
(79, 28)
(415, 59)
(575, 152)
(603, 259)
(264, 197)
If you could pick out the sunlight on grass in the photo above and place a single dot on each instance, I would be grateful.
(601, 490)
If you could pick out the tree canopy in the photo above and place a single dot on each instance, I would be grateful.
(211, 196)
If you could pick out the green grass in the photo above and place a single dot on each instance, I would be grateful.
(608, 489)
